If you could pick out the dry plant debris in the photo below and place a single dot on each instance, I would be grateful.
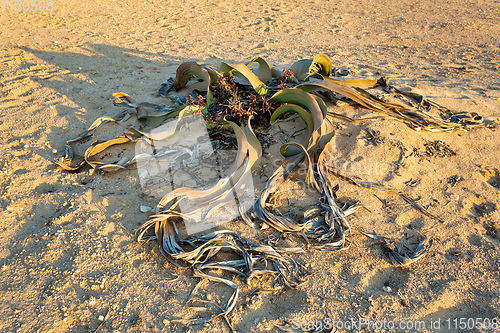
(438, 149)
(234, 96)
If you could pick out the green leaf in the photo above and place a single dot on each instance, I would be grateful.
(263, 72)
(287, 150)
(321, 137)
(321, 105)
(243, 71)
(276, 72)
(320, 64)
(255, 148)
(304, 99)
(210, 98)
(300, 69)
(306, 115)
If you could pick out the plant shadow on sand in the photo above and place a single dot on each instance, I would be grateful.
(113, 198)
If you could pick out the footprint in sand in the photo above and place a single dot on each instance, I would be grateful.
(492, 177)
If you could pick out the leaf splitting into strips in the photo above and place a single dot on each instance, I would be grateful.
(278, 222)
(237, 180)
(396, 254)
(465, 120)
(66, 162)
(202, 258)
(133, 135)
(310, 167)
(96, 148)
(356, 95)
(141, 112)
(337, 222)
(169, 111)
(234, 297)
(225, 186)
(328, 232)
(415, 118)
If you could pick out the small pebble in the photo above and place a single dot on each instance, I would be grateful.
(145, 209)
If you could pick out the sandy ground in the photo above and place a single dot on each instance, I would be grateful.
(68, 255)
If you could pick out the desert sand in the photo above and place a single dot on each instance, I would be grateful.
(68, 253)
